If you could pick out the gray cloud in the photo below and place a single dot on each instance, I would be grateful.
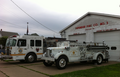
(14, 15)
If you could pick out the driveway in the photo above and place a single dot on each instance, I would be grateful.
(37, 69)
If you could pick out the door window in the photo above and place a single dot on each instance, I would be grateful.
(38, 43)
(31, 42)
(21, 42)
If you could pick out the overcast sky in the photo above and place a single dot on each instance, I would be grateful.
(54, 14)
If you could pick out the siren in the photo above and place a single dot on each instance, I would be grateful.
(14, 36)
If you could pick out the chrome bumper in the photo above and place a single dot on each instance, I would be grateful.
(48, 59)
(5, 57)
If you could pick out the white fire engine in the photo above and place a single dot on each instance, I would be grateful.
(72, 51)
(27, 48)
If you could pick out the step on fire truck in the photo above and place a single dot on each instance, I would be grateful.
(72, 51)
(27, 47)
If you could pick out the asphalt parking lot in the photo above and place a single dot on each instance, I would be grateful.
(37, 69)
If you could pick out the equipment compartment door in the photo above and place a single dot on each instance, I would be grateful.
(39, 47)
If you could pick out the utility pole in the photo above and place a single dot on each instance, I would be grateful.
(27, 28)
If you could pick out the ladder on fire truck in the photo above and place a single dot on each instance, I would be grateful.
(95, 45)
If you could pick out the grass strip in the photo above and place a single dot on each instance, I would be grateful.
(33, 64)
(34, 70)
(4, 73)
(7, 60)
(103, 71)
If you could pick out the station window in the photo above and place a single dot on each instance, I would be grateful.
(21, 42)
(113, 48)
(38, 43)
(31, 42)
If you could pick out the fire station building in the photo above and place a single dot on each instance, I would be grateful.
(96, 27)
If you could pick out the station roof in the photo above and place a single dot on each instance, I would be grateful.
(88, 14)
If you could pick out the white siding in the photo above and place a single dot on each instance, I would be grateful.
(80, 38)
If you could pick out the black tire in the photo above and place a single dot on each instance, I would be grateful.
(22, 61)
(83, 61)
(47, 63)
(106, 60)
(61, 62)
(99, 59)
(30, 58)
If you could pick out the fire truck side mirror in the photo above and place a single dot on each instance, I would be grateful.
(19, 44)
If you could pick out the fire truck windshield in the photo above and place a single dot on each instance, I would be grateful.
(64, 43)
(11, 42)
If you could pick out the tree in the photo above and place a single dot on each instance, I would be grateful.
(34, 34)
(3, 40)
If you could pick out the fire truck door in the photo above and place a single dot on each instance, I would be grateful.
(74, 52)
(21, 46)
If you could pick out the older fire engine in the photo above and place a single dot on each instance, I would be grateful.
(27, 48)
(72, 51)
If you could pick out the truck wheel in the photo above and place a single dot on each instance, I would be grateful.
(61, 62)
(22, 61)
(106, 60)
(30, 58)
(99, 59)
(47, 63)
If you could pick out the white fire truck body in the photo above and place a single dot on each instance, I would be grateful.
(26, 48)
(72, 51)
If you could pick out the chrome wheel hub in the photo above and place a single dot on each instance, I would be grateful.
(62, 63)
(99, 59)
(30, 58)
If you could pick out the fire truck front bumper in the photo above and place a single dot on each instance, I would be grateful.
(5, 57)
(48, 59)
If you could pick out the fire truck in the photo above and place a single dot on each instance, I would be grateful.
(27, 48)
(73, 51)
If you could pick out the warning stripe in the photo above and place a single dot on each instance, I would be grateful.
(24, 54)
(17, 54)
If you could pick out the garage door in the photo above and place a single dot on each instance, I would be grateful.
(111, 39)
(80, 38)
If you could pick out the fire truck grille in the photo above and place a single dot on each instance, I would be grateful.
(48, 53)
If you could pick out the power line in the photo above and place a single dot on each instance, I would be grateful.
(34, 18)
(14, 25)
(8, 10)
(11, 23)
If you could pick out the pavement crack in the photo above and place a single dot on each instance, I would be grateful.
(4, 73)
(34, 70)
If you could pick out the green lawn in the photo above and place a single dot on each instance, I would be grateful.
(103, 71)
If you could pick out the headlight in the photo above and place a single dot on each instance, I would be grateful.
(52, 55)
(44, 54)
